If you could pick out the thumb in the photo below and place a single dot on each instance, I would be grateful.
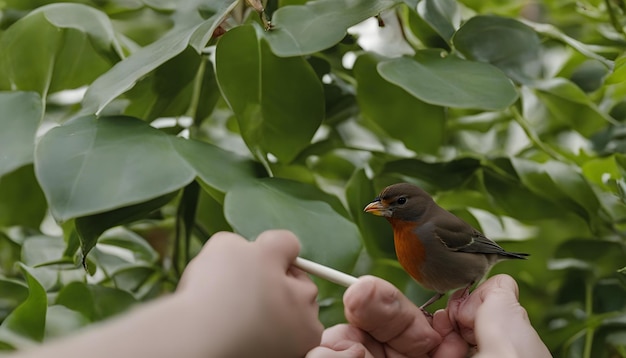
(282, 245)
(502, 325)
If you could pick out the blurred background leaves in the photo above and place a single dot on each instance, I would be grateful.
(133, 130)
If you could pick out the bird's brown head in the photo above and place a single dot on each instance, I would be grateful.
(402, 201)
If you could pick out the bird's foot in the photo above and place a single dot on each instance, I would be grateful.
(426, 313)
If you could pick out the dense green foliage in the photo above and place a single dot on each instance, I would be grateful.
(196, 119)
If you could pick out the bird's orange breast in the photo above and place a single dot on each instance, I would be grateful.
(409, 248)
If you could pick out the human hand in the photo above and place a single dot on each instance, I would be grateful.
(492, 319)
(382, 323)
(251, 299)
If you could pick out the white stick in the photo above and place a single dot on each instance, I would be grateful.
(324, 272)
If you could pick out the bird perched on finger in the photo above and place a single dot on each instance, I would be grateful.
(438, 249)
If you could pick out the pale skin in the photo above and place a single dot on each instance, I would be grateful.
(235, 299)
(246, 299)
(385, 324)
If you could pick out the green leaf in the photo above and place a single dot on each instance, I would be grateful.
(619, 72)
(601, 170)
(620, 159)
(13, 294)
(217, 168)
(443, 175)
(559, 182)
(450, 81)
(40, 250)
(89, 166)
(21, 200)
(20, 114)
(516, 199)
(77, 297)
(443, 16)
(58, 46)
(61, 321)
(419, 125)
(210, 217)
(28, 320)
(139, 279)
(420, 28)
(327, 237)
(279, 102)
(318, 25)
(377, 235)
(166, 91)
(125, 74)
(94, 302)
(184, 224)
(602, 257)
(570, 106)
(90, 227)
(504, 42)
(137, 245)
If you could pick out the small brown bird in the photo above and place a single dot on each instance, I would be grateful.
(438, 249)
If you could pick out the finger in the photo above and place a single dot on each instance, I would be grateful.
(303, 286)
(344, 337)
(282, 245)
(221, 239)
(465, 329)
(355, 351)
(464, 312)
(452, 345)
(377, 307)
(501, 315)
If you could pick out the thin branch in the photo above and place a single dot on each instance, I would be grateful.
(533, 137)
(613, 17)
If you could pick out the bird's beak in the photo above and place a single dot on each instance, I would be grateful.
(377, 208)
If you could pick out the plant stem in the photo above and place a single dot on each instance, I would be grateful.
(613, 17)
(185, 221)
(192, 111)
(589, 312)
(585, 49)
(533, 137)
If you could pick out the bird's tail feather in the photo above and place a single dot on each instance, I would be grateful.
(516, 255)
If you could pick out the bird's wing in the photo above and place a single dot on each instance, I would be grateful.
(464, 241)
(457, 235)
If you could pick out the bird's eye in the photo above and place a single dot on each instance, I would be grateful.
(401, 201)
